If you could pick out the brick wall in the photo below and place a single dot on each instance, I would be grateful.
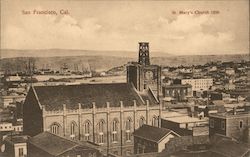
(233, 127)
(121, 146)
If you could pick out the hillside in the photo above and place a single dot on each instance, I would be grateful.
(101, 61)
(98, 63)
(196, 59)
(12, 53)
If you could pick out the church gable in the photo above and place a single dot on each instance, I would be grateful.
(32, 114)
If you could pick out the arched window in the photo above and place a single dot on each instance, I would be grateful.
(54, 128)
(87, 130)
(115, 125)
(141, 121)
(114, 130)
(155, 121)
(73, 128)
(128, 123)
(128, 126)
(87, 127)
(100, 126)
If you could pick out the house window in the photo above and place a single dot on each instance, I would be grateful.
(212, 123)
(141, 121)
(241, 124)
(223, 125)
(100, 132)
(20, 152)
(114, 131)
(87, 130)
(54, 129)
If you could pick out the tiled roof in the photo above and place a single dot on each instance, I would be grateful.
(151, 133)
(53, 97)
(54, 144)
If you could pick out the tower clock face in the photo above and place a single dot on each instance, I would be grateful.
(149, 75)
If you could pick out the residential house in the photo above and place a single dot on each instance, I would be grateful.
(151, 139)
(186, 125)
(47, 144)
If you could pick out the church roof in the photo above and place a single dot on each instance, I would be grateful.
(53, 97)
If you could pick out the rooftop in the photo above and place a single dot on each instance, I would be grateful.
(13, 139)
(55, 145)
(229, 148)
(53, 97)
(235, 112)
(152, 133)
(5, 123)
(178, 86)
(13, 96)
(170, 114)
(185, 119)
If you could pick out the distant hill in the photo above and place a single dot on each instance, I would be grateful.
(98, 63)
(12, 53)
(197, 59)
(99, 60)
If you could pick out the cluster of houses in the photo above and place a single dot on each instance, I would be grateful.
(186, 115)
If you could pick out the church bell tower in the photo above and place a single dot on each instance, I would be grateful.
(143, 53)
(142, 74)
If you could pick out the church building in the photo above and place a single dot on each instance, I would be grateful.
(144, 75)
(106, 114)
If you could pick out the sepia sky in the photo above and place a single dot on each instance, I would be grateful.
(120, 25)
